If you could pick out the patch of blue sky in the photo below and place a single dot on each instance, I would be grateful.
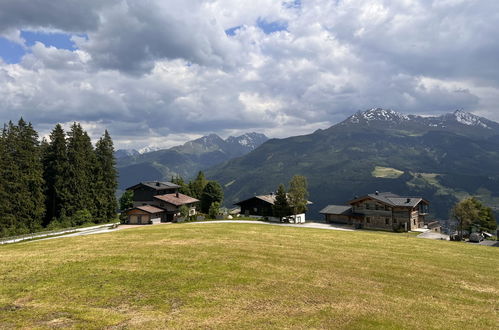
(232, 31)
(292, 4)
(57, 40)
(11, 52)
(271, 27)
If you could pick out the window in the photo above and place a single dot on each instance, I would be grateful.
(414, 222)
(367, 206)
(394, 220)
(387, 221)
(376, 207)
(368, 219)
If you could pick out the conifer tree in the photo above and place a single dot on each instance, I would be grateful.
(31, 176)
(22, 179)
(281, 206)
(184, 187)
(56, 174)
(82, 177)
(6, 218)
(196, 187)
(106, 179)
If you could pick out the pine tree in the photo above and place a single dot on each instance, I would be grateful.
(281, 206)
(196, 187)
(31, 170)
(56, 174)
(6, 218)
(23, 206)
(82, 176)
(184, 187)
(106, 179)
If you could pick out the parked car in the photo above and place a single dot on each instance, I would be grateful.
(476, 237)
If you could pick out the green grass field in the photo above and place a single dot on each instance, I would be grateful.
(248, 276)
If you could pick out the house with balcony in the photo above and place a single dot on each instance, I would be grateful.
(157, 201)
(380, 210)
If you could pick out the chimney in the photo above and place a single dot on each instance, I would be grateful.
(157, 183)
(408, 200)
(176, 194)
(376, 192)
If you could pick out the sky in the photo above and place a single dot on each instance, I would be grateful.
(161, 72)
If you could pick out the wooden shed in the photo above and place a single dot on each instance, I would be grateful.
(143, 215)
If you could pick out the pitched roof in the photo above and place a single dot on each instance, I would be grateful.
(392, 199)
(158, 185)
(149, 209)
(266, 198)
(177, 199)
(337, 209)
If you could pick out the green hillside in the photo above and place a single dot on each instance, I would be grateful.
(248, 276)
(440, 158)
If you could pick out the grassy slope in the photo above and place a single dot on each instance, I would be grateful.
(250, 276)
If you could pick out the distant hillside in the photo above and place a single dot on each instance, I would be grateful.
(184, 160)
(442, 158)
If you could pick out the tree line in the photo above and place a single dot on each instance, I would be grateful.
(60, 182)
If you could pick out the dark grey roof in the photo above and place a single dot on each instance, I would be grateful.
(393, 199)
(266, 198)
(158, 185)
(337, 209)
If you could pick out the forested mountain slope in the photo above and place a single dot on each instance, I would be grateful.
(440, 158)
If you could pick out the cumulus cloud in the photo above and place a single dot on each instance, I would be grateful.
(156, 72)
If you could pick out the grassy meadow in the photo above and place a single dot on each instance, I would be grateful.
(248, 276)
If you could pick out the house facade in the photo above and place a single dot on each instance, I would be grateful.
(262, 205)
(153, 200)
(385, 211)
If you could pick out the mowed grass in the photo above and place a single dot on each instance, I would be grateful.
(248, 276)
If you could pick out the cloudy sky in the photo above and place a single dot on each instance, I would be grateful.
(159, 72)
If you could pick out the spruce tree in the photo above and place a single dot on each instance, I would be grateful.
(196, 187)
(281, 206)
(82, 176)
(6, 218)
(56, 174)
(23, 206)
(106, 179)
(31, 175)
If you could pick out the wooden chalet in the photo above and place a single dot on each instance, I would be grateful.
(384, 210)
(261, 205)
(154, 200)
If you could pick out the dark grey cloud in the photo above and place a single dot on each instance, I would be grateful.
(66, 15)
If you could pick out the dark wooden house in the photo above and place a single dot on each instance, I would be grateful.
(152, 196)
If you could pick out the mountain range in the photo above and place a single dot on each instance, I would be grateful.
(443, 159)
(185, 160)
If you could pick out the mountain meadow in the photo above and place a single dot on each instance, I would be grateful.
(248, 276)
(443, 159)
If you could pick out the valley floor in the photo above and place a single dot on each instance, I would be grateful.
(223, 275)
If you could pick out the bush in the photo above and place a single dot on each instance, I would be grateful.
(81, 217)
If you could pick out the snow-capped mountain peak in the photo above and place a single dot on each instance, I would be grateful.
(247, 140)
(469, 119)
(377, 114)
(149, 149)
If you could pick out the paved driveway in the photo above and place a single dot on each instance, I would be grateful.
(317, 225)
